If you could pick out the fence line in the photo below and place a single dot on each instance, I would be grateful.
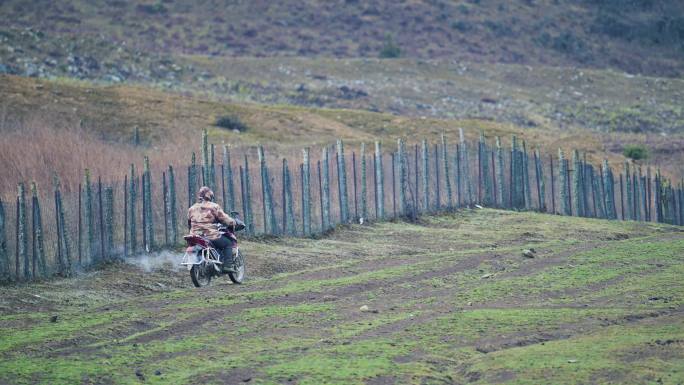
(100, 221)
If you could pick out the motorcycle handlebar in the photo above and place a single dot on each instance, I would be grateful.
(239, 225)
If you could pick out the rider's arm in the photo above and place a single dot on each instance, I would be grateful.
(224, 218)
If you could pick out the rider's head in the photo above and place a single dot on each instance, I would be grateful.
(205, 194)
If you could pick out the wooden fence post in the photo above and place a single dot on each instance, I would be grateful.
(165, 201)
(100, 206)
(379, 182)
(356, 205)
(229, 199)
(447, 177)
(109, 219)
(553, 186)
(539, 180)
(173, 208)
(212, 168)
(569, 186)
(320, 194)
(526, 176)
(132, 197)
(595, 193)
(22, 231)
(394, 185)
(79, 227)
(500, 172)
(4, 254)
(325, 196)
(88, 216)
(17, 257)
(479, 170)
(649, 197)
(248, 198)
(147, 197)
(438, 195)
(628, 189)
(643, 195)
(290, 225)
(364, 185)
(495, 200)
(517, 187)
(206, 174)
(416, 203)
(465, 164)
(192, 180)
(585, 198)
(577, 183)
(284, 195)
(39, 259)
(458, 176)
(403, 177)
(622, 199)
(681, 202)
(273, 223)
(342, 179)
(306, 192)
(267, 205)
(125, 213)
(635, 195)
(63, 257)
(658, 210)
(426, 176)
(609, 200)
(486, 169)
(565, 207)
(243, 197)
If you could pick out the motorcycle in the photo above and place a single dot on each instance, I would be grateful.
(204, 261)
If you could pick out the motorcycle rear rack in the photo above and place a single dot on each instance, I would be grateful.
(209, 255)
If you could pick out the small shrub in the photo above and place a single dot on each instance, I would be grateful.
(635, 151)
(230, 122)
(390, 49)
(152, 9)
(462, 26)
(499, 29)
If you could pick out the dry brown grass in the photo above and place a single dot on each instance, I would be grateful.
(37, 150)
(66, 126)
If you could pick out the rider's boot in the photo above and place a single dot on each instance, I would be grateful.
(228, 257)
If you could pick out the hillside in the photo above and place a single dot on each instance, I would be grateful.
(634, 36)
(71, 126)
(601, 302)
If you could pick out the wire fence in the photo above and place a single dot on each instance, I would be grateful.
(48, 232)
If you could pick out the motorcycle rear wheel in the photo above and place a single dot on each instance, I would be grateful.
(239, 275)
(200, 275)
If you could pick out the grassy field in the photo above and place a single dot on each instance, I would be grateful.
(450, 299)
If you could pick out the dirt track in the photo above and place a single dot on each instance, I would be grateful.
(450, 300)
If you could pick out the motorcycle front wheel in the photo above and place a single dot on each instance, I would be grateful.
(200, 274)
(239, 275)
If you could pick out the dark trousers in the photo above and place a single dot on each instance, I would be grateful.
(223, 245)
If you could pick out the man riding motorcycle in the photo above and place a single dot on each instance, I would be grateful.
(203, 218)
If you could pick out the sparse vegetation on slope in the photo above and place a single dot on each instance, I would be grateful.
(636, 36)
(86, 118)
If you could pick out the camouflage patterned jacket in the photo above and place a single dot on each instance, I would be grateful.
(203, 217)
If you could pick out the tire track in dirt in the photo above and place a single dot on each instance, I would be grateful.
(348, 293)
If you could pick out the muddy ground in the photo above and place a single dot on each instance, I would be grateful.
(451, 299)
